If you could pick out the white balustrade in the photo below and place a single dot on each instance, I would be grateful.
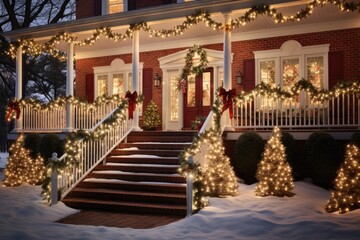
(92, 152)
(342, 111)
(54, 119)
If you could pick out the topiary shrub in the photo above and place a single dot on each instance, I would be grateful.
(355, 138)
(32, 142)
(49, 144)
(248, 150)
(322, 158)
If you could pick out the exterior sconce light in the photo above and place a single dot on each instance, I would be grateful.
(239, 77)
(157, 80)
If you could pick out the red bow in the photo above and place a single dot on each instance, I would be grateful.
(227, 98)
(131, 97)
(12, 106)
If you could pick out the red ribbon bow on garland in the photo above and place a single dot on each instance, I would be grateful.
(131, 97)
(12, 106)
(227, 98)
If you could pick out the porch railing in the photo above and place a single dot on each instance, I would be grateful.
(54, 119)
(342, 111)
(92, 152)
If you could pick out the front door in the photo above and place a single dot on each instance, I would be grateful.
(199, 96)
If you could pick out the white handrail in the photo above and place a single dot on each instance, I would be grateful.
(92, 152)
(262, 112)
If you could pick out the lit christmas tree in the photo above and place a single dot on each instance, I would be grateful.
(15, 168)
(346, 196)
(274, 173)
(219, 177)
(151, 116)
(35, 171)
(21, 168)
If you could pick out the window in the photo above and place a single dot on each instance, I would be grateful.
(114, 6)
(174, 96)
(284, 67)
(115, 79)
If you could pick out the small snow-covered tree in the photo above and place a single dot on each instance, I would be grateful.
(219, 176)
(346, 195)
(273, 172)
(21, 167)
(15, 168)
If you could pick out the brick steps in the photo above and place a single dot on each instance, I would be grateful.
(139, 176)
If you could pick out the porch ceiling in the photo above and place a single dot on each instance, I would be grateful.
(326, 18)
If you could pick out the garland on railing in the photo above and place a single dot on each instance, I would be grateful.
(72, 147)
(30, 47)
(60, 102)
(195, 169)
(316, 95)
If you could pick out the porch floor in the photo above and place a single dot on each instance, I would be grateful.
(120, 220)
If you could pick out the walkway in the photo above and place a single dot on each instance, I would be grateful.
(120, 220)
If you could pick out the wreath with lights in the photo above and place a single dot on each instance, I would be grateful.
(190, 68)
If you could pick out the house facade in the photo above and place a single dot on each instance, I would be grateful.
(321, 50)
(178, 54)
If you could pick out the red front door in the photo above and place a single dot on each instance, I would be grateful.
(199, 96)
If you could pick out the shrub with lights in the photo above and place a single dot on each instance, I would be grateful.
(346, 194)
(21, 168)
(274, 173)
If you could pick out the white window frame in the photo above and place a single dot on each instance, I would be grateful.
(289, 50)
(105, 6)
(117, 67)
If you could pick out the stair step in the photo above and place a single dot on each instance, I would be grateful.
(160, 153)
(143, 160)
(137, 177)
(123, 195)
(134, 186)
(155, 145)
(140, 168)
(149, 208)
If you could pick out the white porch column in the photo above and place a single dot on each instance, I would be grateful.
(135, 73)
(18, 86)
(69, 86)
(226, 122)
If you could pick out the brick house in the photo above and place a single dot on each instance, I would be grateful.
(322, 48)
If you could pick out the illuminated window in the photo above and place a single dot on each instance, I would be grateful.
(290, 73)
(115, 6)
(206, 88)
(102, 82)
(267, 72)
(315, 71)
(191, 91)
(118, 84)
(174, 96)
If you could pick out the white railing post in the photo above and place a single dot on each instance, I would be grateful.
(18, 86)
(189, 190)
(70, 86)
(54, 182)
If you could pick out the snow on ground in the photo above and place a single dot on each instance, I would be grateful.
(23, 215)
(3, 159)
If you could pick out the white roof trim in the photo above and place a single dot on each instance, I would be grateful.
(276, 32)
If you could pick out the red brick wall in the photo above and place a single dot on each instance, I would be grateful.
(85, 8)
(347, 41)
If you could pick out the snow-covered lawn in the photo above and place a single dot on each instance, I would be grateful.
(23, 215)
(3, 159)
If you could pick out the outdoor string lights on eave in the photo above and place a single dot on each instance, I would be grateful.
(30, 47)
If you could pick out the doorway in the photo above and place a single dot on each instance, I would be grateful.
(199, 96)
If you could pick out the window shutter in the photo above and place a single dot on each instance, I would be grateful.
(131, 5)
(90, 87)
(336, 68)
(249, 74)
(147, 86)
(97, 7)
